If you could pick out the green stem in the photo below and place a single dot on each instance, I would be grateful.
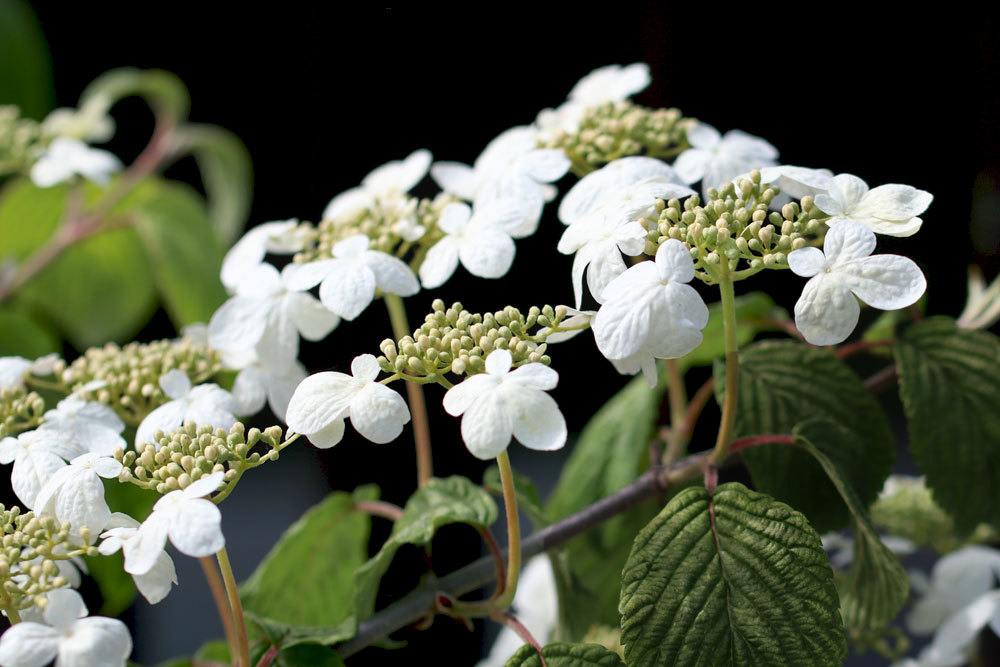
(677, 393)
(732, 367)
(232, 590)
(513, 531)
(414, 394)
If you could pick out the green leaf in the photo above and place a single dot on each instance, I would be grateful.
(22, 336)
(528, 500)
(25, 66)
(216, 650)
(876, 586)
(611, 452)
(163, 91)
(302, 591)
(97, 291)
(783, 383)
(438, 503)
(737, 578)
(909, 511)
(308, 655)
(752, 311)
(184, 253)
(226, 172)
(949, 381)
(566, 655)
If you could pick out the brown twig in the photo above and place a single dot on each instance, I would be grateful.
(508, 619)
(847, 351)
(379, 508)
(218, 590)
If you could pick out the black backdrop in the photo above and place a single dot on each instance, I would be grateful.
(320, 96)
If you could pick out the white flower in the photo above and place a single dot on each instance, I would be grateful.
(191, 522)
(393, 178)
(592, 192)
(649, 312)
(955, 640)
(154, 584)
(716, 159)
(982, 307)
(323, 401)
(93, 425)
(891, 209)
(90, 122)
(258, 383)
(37, 456)
(514, 155)
(279, 237)
(12, 372)
(841, 547)
(479, 239)
(536, 605)
(267, 316)
(577, 321)
(205, 404)
(75, 493)
(347, 283)
(68, 636)
(66, 158)
(796, 182)
(957, 580)
(502, 403)
(827, 311)
(612, 83)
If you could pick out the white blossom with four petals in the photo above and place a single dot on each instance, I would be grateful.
(66, 158)
(891, 209)
(155, 583)
(207, 404)
(503, 403)
(391, 179)
(828, 311)
(716, 159)
(75, 493)
(323, 401)
(280, 237)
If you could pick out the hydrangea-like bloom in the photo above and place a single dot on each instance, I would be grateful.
(12, 372)
(649, 312)
(259, 382)
(612, 83)
(323, 401)
(191, 522)
(502, 403)
(347, 283)
(66, 158)
(75, 493)
(796, 182)
(68, 636)
(592, 191)
(891, 209)
(277, 237)
(716, 159)
(392, 178)
(121, 532)
(827, 311)
(205, 404)
(94, 425)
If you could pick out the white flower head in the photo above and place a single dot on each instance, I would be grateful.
(891, 209)
(207, 404)
(75, 493)
(716, 159)
(323, 401)
(503, 403)
(12, 372)
(478, 238)
(259, 383)
(267, 316)
(796, 182)
(92, 426)
(611, 83)
(90, 123)
(154, 584)
(66, 158)
(68, 636)
(828, 311)
(347, 283)
(280, 237)
(37, 455)
(191, 522)
(650, 312)
(393, 178)
(955, 641)
(957, 580)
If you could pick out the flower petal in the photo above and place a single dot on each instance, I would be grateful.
(196, 528)
(846, 241)
(455, 178)
(175, 384)
(673, 262)
(487, 427)
(440, 263)
(32, 470)
(155, 584)
(165, 418)
(392, 275)
(454, 217)
(312, 320)
(96, 641)
(304, 276)
(144, 548)
(539, 423)
(365, 367)
(348, 290)
(205, 486)
(319, 401)
(498, 362)
(806, 262)
(487, 253)
(459, 398)
(827, 311)
(887, 282)
(329, 435)
(379, 413)
(250, 390)
(29, 644)
(534, 376)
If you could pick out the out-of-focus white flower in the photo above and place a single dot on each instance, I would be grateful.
(841, 547)
(267, 316)
(891, 209)
(75, 493)
(957, 579)
(90, 123)
(955, 640)
(478, 238)
(650, 312)
(282, 237)
(827, 311)
(716, 159)
(94, 426)
(68, 636)
(12, 372)
(258, 383)
(207, 404)
(612, 83)
(66, 158)
(393, 178)
(154, 584)
(502, 403)
(982, 308)
(191, 522)
(536, 605)
(347, 283)
(323, 401)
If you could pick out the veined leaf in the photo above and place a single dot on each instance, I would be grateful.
(566, 655)
(736, 578)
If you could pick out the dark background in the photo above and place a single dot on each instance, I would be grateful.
(321, 96)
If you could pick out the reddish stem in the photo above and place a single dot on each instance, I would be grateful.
(846, 351)
(760, 440)
(494, 548)
(511, 622)
(379, 508)
(269, 657)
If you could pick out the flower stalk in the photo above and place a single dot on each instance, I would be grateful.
(241, 656)
(217, 588)
(513, 531)
(732, 368)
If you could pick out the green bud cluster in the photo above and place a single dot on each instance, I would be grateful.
(618, 129)
(130, 375)
(383, 223)
(191, 452)
(21, 141)
(31, 546)
(735, 225)
(20, 410)
(453, 340)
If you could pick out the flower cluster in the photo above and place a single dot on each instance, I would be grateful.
(21, 141)
(20, 410)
